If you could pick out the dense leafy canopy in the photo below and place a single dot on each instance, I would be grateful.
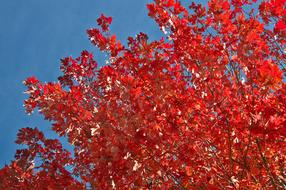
(202, 108)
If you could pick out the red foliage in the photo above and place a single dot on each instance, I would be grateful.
(203, 108)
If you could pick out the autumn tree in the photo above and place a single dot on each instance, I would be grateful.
(202, 108)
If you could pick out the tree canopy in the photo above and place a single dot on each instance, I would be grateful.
(202, 108)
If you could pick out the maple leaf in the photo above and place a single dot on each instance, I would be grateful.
(203, 108)
(280, 25)
(104, 22)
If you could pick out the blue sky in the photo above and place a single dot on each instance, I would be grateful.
(35, 34)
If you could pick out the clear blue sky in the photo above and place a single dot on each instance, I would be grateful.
(35, 34)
